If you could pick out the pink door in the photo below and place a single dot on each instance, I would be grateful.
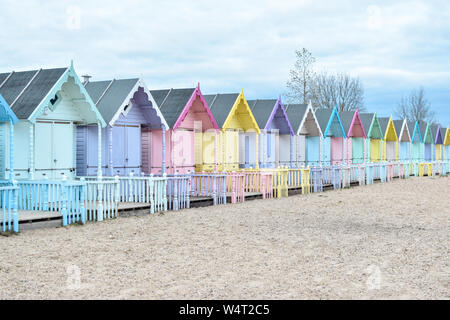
(336, 150)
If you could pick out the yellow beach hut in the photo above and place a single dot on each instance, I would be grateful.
(238, 141)
(390, 139)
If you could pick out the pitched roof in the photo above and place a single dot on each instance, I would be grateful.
(443, 131)
(346, 119)
(398, 124)
(323, 117)
(295, 113)
(25, 90)
(171, 102)
(422, 128)
(109, 95)
(221, 105)
(384, 121)
(262, 109)
(366, 120)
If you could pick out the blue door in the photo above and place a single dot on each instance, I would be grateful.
(312, 151)
(427, 152)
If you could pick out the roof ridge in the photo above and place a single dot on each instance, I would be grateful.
(104, 92)
(165, 99)
(7, 78)
(213, 101)
(26, 87)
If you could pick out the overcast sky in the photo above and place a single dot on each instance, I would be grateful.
(393, 46)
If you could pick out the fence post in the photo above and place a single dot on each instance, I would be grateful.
(15, 206)
(175, 195)
(64, 200)
(153, 195)
(100, 198)
(82, 195)
(45, 195)
(130, 188)
(164, 191)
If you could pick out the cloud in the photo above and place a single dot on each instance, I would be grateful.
(393, 46)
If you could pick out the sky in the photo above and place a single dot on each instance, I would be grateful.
(392, 46)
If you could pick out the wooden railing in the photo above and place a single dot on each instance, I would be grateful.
(235, 182)
(66, 197)
(8, 197)
(209, 185)
(102, 197)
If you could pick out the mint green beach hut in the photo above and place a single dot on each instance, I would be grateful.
(50, 104)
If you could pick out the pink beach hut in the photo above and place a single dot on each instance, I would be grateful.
(191, 138)
(356, 135)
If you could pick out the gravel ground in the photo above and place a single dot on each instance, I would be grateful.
(384, 241)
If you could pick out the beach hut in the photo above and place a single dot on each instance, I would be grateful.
(447, 144)
(7, 121)
(306, 142)
(389, 142)
(374, 135)
(416, 141)
(333, 136)
(238, 143)
(130, 113)
(276, 132)
(50, 104)
(428, 141)
(192, 130)
(404, 140)
(356, 135)
(438, 139)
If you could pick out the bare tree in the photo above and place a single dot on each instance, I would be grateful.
(301, 77)
(337, 90)
(415, 107)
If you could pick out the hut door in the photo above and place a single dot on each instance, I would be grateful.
(208, 150)
(54, 149)
(404, 151)
(357, 150)
(326, 151)
(132, 150)
(63, 148)
(312, 151)
(374, 150)
(390, 150)
(301, 150)
(119, 150)
(198, 144)
(336, 150)
(427, 152)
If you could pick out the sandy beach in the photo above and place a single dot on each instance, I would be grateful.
(383, 241)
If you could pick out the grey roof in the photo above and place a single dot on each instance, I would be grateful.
(346, 119)
(411, 125)
(110, 95)
(28, 89)
(434, 128)
(383, 124)
(262, 109)
(366, 120)
(295, 113)
(173, 103)
(443, 130)
(323, 117)
(221, 105)
(398, 126)
(422, 128)
(159, 95)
